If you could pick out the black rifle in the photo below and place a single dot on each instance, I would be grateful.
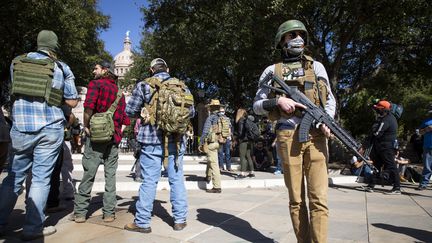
(312, 114)
(366, 154)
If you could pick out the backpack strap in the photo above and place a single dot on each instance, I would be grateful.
(154, 85)
(113, 106)
(278, 70)
(55, 60)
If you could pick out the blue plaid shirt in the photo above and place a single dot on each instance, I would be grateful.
(31, 115)
(141, 95)
(209, 122)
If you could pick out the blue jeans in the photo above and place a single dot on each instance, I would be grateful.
(427, 166)
(276, 158)
(224, 154)
(38, 152)
(151, 164)
(367, 172)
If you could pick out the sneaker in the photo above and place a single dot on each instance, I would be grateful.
(393, 192)
(77, 218)
(421, 188)
(59, 208)
(240, 176)
(32, 236)
(368, 188)
(278, 172)
(136, 228)
(109, 218)
(214, 190)
(251, 175)
(179, 226)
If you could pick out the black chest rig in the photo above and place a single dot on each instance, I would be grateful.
(299, 74)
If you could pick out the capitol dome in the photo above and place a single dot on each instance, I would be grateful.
(124, 60)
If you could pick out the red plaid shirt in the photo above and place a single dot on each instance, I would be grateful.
(101, 93)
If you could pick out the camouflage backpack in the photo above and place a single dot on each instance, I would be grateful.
(169, 108)
(222, 129)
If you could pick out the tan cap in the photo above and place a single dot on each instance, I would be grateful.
(156, 61)
(214, 103)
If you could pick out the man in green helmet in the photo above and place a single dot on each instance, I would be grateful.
(304, 164)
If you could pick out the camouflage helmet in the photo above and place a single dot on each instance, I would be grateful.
(288, 26)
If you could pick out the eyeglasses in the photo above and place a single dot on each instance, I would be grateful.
(294, 34)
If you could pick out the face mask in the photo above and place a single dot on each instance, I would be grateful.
(295, 46)
(222, 112)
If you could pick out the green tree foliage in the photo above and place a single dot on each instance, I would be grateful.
(76, 23)
(369, 50)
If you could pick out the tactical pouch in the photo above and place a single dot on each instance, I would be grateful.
(102, 124)
(33, 78)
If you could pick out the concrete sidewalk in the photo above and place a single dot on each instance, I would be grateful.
(251, 215)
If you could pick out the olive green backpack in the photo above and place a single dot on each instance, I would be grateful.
(102, 124)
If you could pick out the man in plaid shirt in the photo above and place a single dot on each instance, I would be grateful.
(37, 134)
(101, 93)
(152, 154)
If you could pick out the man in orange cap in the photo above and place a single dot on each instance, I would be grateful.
(384, 144)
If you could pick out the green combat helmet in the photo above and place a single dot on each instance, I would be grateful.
(288, 26)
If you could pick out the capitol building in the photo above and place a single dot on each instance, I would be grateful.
(123, 61)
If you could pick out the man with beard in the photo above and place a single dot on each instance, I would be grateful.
(103, 95)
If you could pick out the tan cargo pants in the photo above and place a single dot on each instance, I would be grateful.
(305, 167)
(212, 169)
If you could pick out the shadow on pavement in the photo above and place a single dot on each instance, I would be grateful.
(237, 226)
(158, 209)
(53, 218)
(161, 212)
(421, 235)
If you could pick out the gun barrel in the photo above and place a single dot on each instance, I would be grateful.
(317, 113)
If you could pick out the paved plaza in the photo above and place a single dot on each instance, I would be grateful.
(250, 211)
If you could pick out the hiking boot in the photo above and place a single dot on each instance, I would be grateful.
(109, 218)
(368, 188)
(77, 218)
(56, 209)
(394, 191)
(214, 190)
(32, 236)
(421, 188)
(179, 226)
(133, 227)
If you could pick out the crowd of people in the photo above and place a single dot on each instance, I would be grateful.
(40, 149)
